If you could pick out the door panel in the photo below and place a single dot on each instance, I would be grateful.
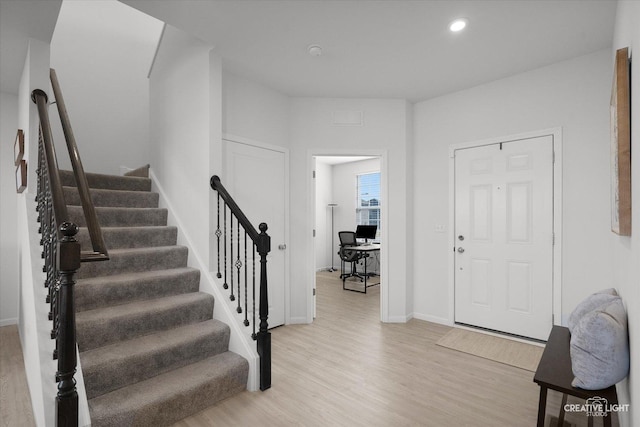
(504, 228)
(255, 177)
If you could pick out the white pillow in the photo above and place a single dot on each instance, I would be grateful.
(600, 347)
(589, 304)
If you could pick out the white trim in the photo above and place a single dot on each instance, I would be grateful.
(240, 342)
(433, 319)
(399, 319)
(556, 134)
(8, 322)
(287, 265)
(384, 213)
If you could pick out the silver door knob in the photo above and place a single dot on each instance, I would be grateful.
(460, 250)
(282, 247)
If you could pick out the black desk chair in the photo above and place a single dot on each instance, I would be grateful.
(348, 238)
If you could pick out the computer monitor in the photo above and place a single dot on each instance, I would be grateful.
(366, 232)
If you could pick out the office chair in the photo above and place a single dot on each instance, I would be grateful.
(348, 238)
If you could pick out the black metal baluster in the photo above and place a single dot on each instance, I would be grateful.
(238, 267)
(225, 285)
(232, 297)
(246, 302)
(253, 335)
(218, 234)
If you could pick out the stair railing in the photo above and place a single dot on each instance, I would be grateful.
(61, 251)
(261, 242)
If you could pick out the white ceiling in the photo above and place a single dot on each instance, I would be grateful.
(371, 49)
(388, 49)
(21, 20)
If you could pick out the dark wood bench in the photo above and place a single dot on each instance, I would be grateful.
(554, 372)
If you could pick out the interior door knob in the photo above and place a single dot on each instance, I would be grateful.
(460, 250)
(282, 247)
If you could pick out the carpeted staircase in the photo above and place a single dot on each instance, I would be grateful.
(150, 351)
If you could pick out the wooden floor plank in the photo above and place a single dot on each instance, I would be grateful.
(15, 400)
(349, 369)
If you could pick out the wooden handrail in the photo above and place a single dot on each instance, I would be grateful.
(97, 241)
(61, 249)
(57, 195)
(235, 209)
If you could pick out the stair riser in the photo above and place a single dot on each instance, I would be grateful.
(100, 198)
(102, 294)
(131, 237)
(165, 409)
(103, 379)
(108, 182)
(121, 217)
(128, 262)
(100, 332)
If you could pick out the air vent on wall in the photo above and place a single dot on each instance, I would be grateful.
(348, 118)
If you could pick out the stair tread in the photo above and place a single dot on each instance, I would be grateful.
(129, 260)
(121, 216)
(145, 306)
(104, 291)
(166, 398)
(139, 275)
(105, 181)
(141, 345)
(113, 198)
(106, 325)
(125, 362)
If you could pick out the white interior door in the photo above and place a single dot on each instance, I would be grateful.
(255, 178)
(504, 237)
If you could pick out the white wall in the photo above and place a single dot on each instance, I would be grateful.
(33, 324)
(324, 196)
(573, 94)
(384, 129)
(626, 250)
(251, 110)
(180, 111)
(102, 52)
(9, 279)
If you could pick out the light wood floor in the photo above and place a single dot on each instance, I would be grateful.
(348, 369)
(15, 401)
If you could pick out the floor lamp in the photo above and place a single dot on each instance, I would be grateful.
(332, 205)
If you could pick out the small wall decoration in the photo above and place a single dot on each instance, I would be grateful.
(21, 176)
(18, 147)
(621, 145)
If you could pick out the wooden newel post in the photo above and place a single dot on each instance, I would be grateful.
(264, 336)
(68, 263)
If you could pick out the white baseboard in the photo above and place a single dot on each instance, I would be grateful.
(7, 322)
(399, 319)
(432, 319)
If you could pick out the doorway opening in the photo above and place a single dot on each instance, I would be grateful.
(348, 203)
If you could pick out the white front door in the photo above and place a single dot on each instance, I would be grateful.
(504, 236)
(255, 178)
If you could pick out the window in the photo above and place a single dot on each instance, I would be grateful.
(368, 202)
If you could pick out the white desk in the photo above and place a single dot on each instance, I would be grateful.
(365, 249)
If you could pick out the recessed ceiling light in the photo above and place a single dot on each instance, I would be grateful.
(314, 50)
(458, 25)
